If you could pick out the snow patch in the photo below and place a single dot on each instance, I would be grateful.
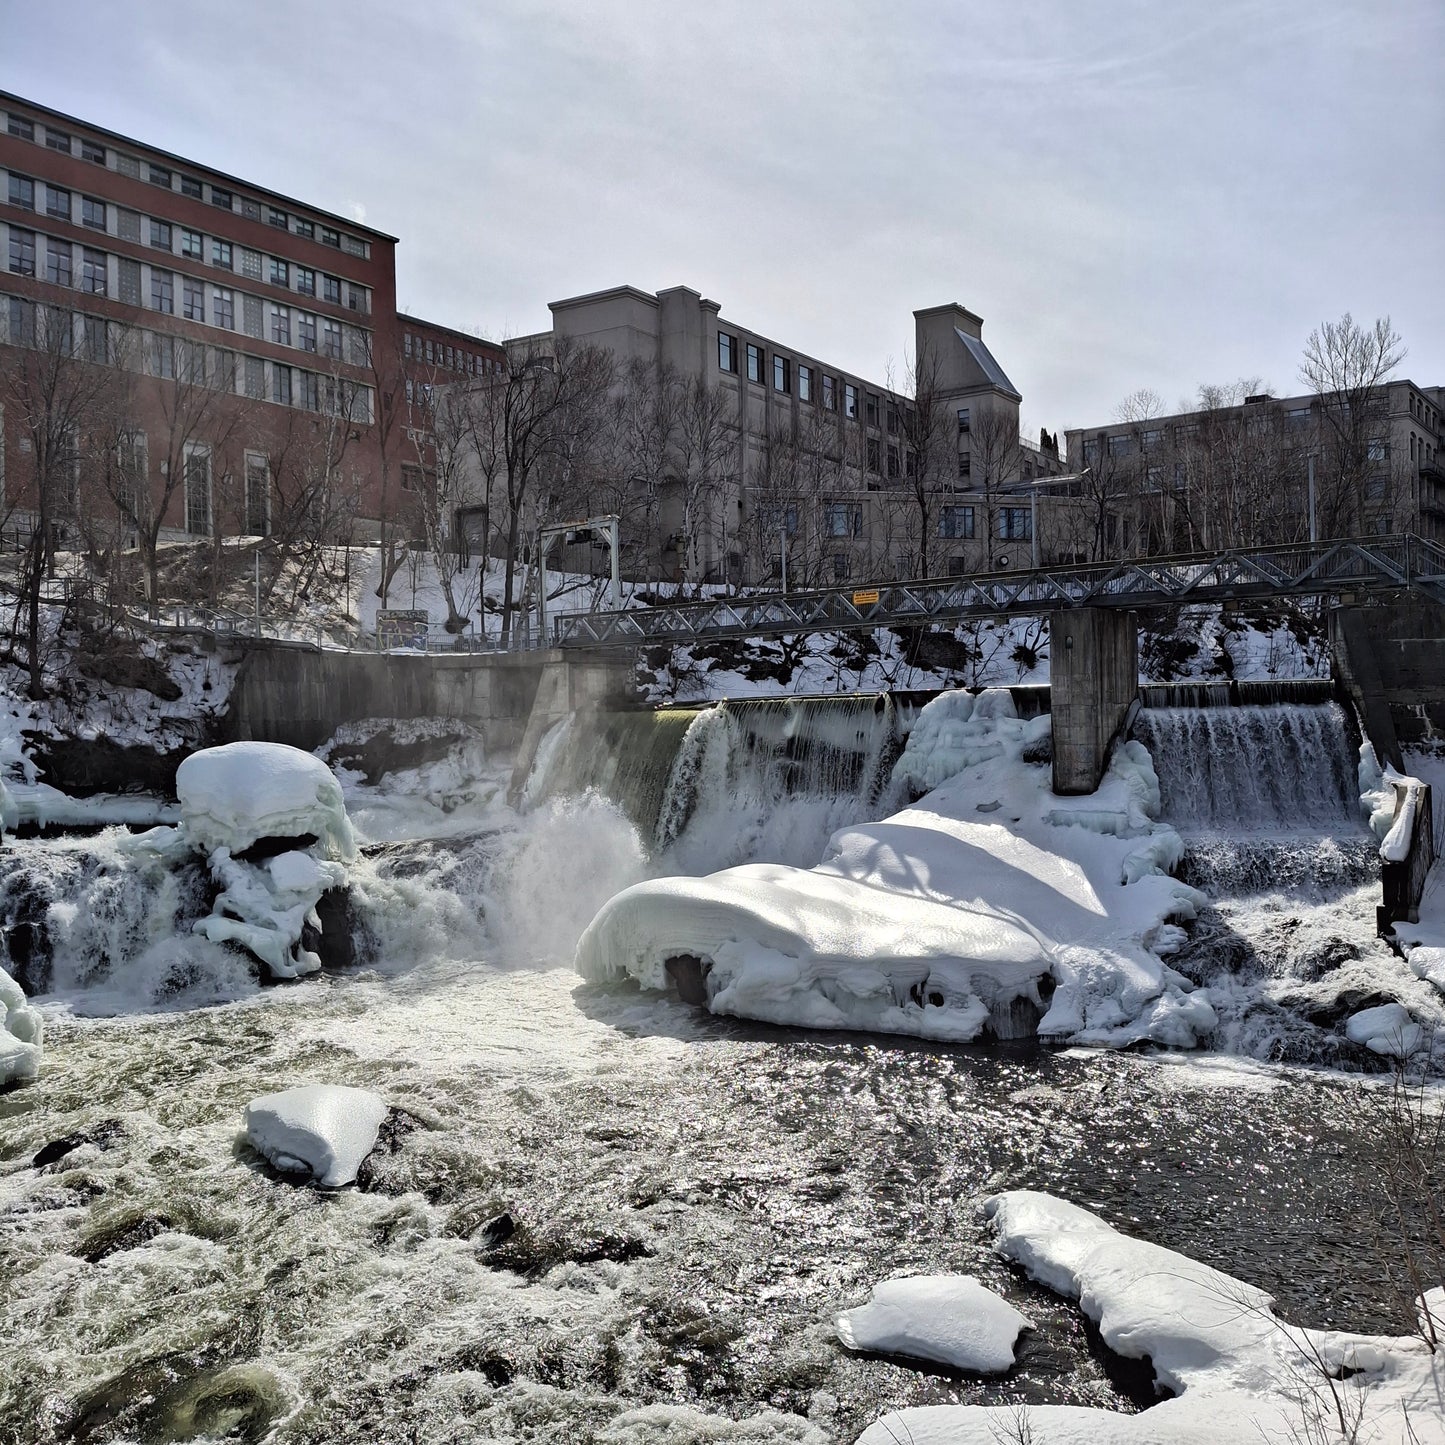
(22, 1033)
(324, 1130)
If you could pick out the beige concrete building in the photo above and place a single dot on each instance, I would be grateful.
(1267, 470)
(812, 469)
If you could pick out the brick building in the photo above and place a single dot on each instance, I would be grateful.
(263, 360)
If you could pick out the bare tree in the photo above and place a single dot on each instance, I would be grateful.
(1346, 365)
(930, 461)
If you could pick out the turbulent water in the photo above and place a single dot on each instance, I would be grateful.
(600, 1215)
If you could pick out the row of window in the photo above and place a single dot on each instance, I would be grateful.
(163, 176)
(225, 255)
(1015, 524)
(310, 332)
(178, 358)
(456, 358)
(812, 385)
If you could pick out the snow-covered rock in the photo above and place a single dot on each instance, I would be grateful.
(22, 1033)
(1237, 1371)
(324, 1130)
(950, 1318)
(234, 795)
(1386, 1029)
(990, 903)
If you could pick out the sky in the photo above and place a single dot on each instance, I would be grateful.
(1132, 193)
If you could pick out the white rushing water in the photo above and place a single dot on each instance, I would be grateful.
(595, 1214)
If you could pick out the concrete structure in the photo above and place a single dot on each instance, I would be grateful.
(258, 333)
(818, 470)
(1266, 470)
(1094, 683)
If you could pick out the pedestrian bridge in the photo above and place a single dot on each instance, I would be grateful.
(1356, 567)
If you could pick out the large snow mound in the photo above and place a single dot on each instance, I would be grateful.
(950, 1318)
(324, 1130)
(1237, 1370)
(22, 1032)
(989, 905)
(233, 796)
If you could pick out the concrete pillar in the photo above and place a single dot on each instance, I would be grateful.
(1094, 678)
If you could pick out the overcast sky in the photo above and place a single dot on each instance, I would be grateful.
(1133, 193)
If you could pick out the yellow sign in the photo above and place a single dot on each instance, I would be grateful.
(866, 598)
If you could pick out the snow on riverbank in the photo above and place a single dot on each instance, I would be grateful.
(1235, 1370)
(987, 905)
(21, 1033)
(950, 1318)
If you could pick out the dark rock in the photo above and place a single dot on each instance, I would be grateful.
(85, 766)
(27, 948)
(381, 753)
(1038, 750)
(992, 807)
(121, 668)
(496, 1231)
(264, 849)
(378, 1174)
(101, 1135)
(689, 976)
(128, 1231)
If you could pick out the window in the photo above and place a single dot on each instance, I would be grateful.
(308, 390)
(780, 519)
(1152, 439)
(128, 280)
(253, 317)
(161, 234)
(727, 352)
(1376, 449)
(258, 496)
(279, 219)
(280, 272)
(220, 198)
(1121, 445)
(830, 393)
(281, 385)
(198, 492)
(57, 263)
(251, 210)
(191, 187)
(411, 476)
(93, 339)
(892, 418)
(255, 378)
(965, 464)
(805, 382)
(1091, 450)
(850, 400)
(306, 280)
(158, 176)
(895, 466)
(224, 377)
(875, 455)
(193, 299)
(964, 419)
(163, 291)
(1015, 524)
(92, 213)
(330, 237)
(782, 374)
(331, 340)
(955, 522)
(840, 566)
(22, 251)
(22, 322)
(22, 192)
(221, 253)
(57, 202)
(21, 128)
(163, 356)
(356, 299)
(192, 244)
(191, 361)
(842, 519)
(281, 325)
(130, 455)
(331, 289)
(250, 263)
(223, 308)
(755, 363)
(57, 140)
(92, 151)
(355, 247)
(305, 331)
(127, 224)
(306, 229)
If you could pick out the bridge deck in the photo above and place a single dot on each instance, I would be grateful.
(1356, 565)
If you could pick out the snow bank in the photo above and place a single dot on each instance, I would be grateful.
(950, 1318)
(1386, 1029)
(1236, 1370)
(235, 795)
(988, 905)
(21, 1034)
(324, 1130)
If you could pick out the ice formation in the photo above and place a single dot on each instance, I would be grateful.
(241, 794)
(21, 1033)
(324, 1130)
(990, 904)
(1236, 1371)
(950, 1318)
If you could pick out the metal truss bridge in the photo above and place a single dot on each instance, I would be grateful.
(1358, 565)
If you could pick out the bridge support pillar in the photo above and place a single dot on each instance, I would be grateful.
(1094, 678)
